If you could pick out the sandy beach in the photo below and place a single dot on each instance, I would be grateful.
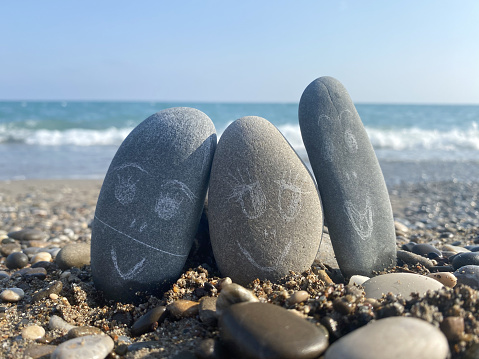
(437, 213)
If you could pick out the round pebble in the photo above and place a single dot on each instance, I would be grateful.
(33, 332)
(58, 323)
(12, 295)
(232, 294)
(358, 279)
(392, 338)
(400, 284)
(182, 308)
(468, 275)
(40, 273)
(298, 297)
(464, 259)
(446, 278)
(73, 255)
(262, 330)
(83, 331)
(28, 235)
(41, 257)
(90, 346)
(424, 249)
(16, 260)
(9, 248)
(147, 322)
(455, 249)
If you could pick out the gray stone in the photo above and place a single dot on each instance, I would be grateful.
(147, 321)
(392, 338)
(413, 259)
(83, 331)
(354, 195)
(90, 346)
(36, 351)
(264, 209)
(4, 275)
(16, 260)
(28, 235)
(57, 323)
(464, 259)
(73, 255)
(262, 330)
(207, 310)
(423, 249)
(399, 284)
(468, 275)
(150, 203)
(12, 295)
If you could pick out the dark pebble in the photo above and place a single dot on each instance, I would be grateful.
(149, 321)
(410, 258)
(9, 248)
(343, 306)
(441, 269)
(16, 260)
(4, 275)
(424, 249)
(44, 264)
(408, 246)
(262, 330)
(464, 259)
(40, 273)
(28, 235)
(474, 248)
(468, 275)
(82, 331)
(8, 240)
(54, 288)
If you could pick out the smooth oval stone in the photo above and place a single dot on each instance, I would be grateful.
(392, 338)
(54, 288)
(83, 331)
(298, 297)
(413, 259)
(73, 255)
(16, 260)
(151, 202)
(182, 308)
(12, 295)
(464, 259)
(446, 278)
(354, 195)
(262, 330)
(90, 346)
(40, 273)
(232, 294)
(455, 249)
(468, 275)
(41, 257)
(28, 235)
(145, 323)
(58, 323)
(9, 248)
(400, 284)
(33, 332)
(358, 279)
(423, 249)
(264, 209)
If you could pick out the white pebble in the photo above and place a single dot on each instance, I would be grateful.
(12, 295)
(33, 332)
(41, 257)
(358, 279)
(58, 323)
(89, 346)
(446, 278)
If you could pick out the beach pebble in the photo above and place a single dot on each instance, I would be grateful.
(298, 297)
(264, 209)
(54, 288)
(410, 258)
(261, 330)
(9, 248)
(323, 276)
(355, 199)
(358, 279)
(446, 278)
(392, 338)
(83, 331)
(232, 294)
(453, 327)
(31, 251)
(401, 229)
(464, 259)
(73, 255)
(424, 249)
(90, 346)
(4, 275)
(58, 323)
(16, 260)
(33, 332)
(28, 235)
(182, 308)
(209, 349)
(12, 295)
(399, 284)
(455, 249)
(147, 321)
(151, 202)
(468, 275)
(40, 273)
(39, 351)
(41, 257)
(207, 310)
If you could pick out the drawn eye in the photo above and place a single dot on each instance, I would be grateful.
(173, 194)
(289, 197)
(248, 194)
(125, 188)
(351, 142)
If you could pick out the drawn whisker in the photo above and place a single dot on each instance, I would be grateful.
(250, 197)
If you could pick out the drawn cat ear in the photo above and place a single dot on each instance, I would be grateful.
(128, 175)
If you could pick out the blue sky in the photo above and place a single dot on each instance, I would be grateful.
(242, 51)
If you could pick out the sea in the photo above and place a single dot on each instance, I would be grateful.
(77, 140)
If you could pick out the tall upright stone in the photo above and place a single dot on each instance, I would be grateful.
(355, 199)
(150, 204)
(264, 209)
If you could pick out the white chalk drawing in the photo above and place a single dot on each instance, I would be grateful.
(133, 223)
(133, 272)
(168, 203)
(143, 226)
(289, 197)
(278, 261)
(350, 140)
(248, 194)
(138, 241)
(125, 190)
(362, 221)
(130, 164)
(328, 150)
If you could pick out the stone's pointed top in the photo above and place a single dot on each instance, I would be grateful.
(354, 195)
(264, 209)
(151, 202)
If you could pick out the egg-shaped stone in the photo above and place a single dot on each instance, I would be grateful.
(264, 208)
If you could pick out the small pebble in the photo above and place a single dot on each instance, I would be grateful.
(4, 275)
(424, 249)
(453, 327)
(90, 346)
(464, 259)
(207, 310)
(147, 322)
(16, 260)
(468, 275)
(58, 323)
(9, 248)
(399, 284)
(446, 278)
(54, 288)
(298, 297)
(28, 235)
(73, 255)
(182, 308)
(358, 279)
(83, 331)
(40, 273)
(41, 257)
(33, 332)
(223, 282)
(232, 294)
(12, 295)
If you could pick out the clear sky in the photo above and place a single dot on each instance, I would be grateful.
(239, 51)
